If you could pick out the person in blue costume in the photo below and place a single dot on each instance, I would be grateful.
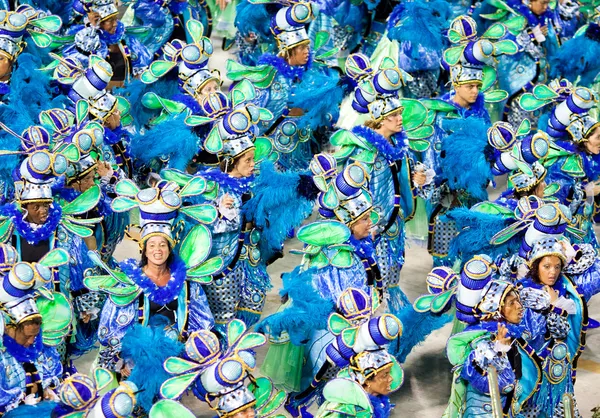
(32, 369)
(363, 389)
(14, 29)
(104, 35)
(573, 159)
(461, 122)
(302, 94)
(38, 223)
(380, 146)
(158, 293)
(222, 376)
(493, 312)
(531, 25)
(157, 21)
(560, 281)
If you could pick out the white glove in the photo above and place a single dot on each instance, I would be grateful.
(539, 36)
(49, 395)
(31, 399)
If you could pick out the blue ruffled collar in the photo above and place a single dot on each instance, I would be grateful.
(364, 248)
(382, 407)
(4, 88)
(25, 229)
(239, 186)
(477, 109)
(23, 354)
(113, 136)
(283, 68)
(157, 294)
(390, 152)
(115, 38)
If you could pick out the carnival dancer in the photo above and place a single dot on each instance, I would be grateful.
(493, 339)
(104, 35)
(302, 94)
(220, 376)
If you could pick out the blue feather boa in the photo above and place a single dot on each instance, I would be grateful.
(388, 151)
(21, 353)
(111, 39)
(364, 248)
(514, 330)
(285, 69)
(157, 294)
(239, 186)
(24, 228)
(382, 407)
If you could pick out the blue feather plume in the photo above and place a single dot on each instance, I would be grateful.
(420, 23)
(253, 18)
(276, 207)
(41, 410)
(476, 229)
(578, 56)
(320, 95)
(464, 159)
(308, 310)
(148, 347)
(165, 87)
(171, 139)
(416, 327)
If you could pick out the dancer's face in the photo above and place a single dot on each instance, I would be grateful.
(381, 383)
(362, 227)
(5, 68)
(467, 93)
(539, 189)
(113, 121)
(244, 166)
(592, 145)
(157, 250)
(211, 87)
(246, 413)
(539, 7)
(109, 25)
(393, 122)
(512, 310)
(549, 270)
(37, 212)
(299, 55)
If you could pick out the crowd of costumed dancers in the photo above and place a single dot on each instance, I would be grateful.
(352, 126)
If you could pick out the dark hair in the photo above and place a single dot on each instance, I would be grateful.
(144, 260)
(36, 320)
(534, 270)
(227, 165)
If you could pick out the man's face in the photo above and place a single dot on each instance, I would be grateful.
(26, 335)
(37, 212)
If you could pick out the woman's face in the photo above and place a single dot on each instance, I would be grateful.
(539, 7)
(512, 310)
(37, 213)
(467, 93)
(244, 166)
(393, 122)
(381, 383)
(157, 250)
(362, 227)
(109, 25)
(211, 87)
(5, 68)
(549, 270)
(592, 145)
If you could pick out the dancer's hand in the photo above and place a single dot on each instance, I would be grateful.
(502, 336)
